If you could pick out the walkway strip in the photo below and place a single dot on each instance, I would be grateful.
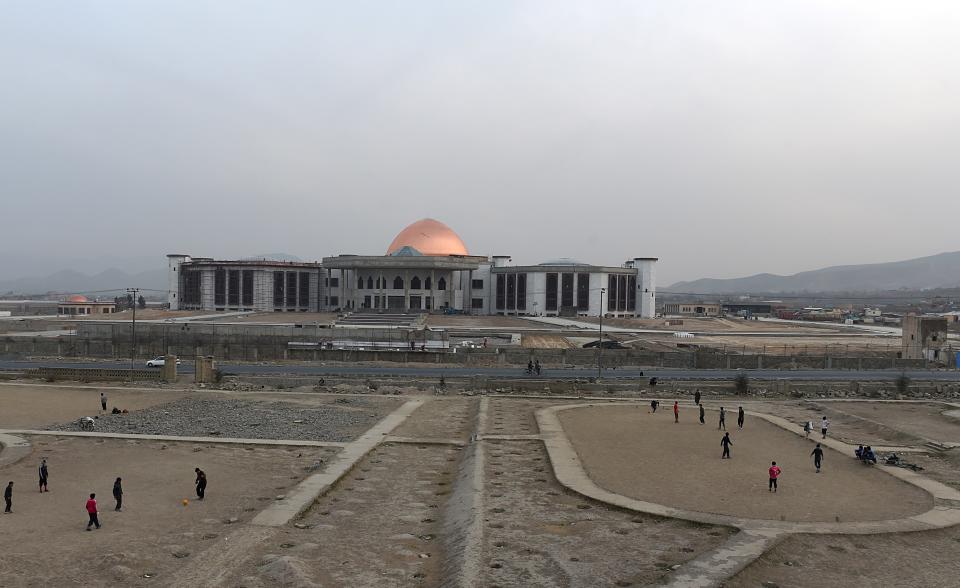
(300, 498)
(178, 439)
(715, 567)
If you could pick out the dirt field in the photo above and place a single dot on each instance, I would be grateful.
(305, 318)
(25, 407)
(707, 324)
(44, 544)
(927, 559)
(546, 342)
(488, 322)
(922, 420)
(538, 534)
(649, 457)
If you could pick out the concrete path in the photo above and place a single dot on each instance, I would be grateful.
(300, 498)
(12, 449)
(715, 567)
(175, 438)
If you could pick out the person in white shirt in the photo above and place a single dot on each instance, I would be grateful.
(824, 424)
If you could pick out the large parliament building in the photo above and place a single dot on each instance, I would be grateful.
(426, 268)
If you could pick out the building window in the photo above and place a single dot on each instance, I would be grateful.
(291, 289)
(415, 283)
(477, 284)
(583, 291)
(511, 291)
(621, 293)
(334, 282)
(427, 283)
(334, 301)
(278, 296)
(551, 291)
(233, 288)
(521, 291)
(247, 288)
(304, 290)
(501, 292)
(220, 286)
(191, 288)
(398, 283)
(632, 293)
(476, 303)
(359, 283)
(566, 291)
(369, 282)
(611, 292)
(441, 284)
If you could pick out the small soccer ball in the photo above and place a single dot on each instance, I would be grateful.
(185, 502)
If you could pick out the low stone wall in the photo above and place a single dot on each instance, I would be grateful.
(93, 374)
(276, 348)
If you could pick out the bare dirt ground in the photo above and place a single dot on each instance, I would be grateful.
(145, 314)
(489, 322)
(38, 406)
(305, 318)
(546, 342)
(44, 543)
(923, 420)
(381, 526)
(649, 457)
(843, 426)
(441, 419)
(927, 559)
(706, 324)
(538, 534)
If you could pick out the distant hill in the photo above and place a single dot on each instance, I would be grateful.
(935, 271)
(70, 281)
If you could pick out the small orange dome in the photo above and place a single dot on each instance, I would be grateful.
(77, 298)
(429, 237)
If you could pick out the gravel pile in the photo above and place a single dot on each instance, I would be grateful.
(192, 417)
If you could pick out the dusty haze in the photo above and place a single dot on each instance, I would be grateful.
(725, 138)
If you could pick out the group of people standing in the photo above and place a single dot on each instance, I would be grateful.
(92, 508)
(726, 442)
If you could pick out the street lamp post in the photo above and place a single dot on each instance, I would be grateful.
(600, 345)
(133, 292)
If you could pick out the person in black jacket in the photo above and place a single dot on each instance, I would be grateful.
(118, 494)
(740, 415)
(8, 498)
(201, 483)
(817, 454)
(44, 474)
(726, 442)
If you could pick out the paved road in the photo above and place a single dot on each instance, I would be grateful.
(562, 374)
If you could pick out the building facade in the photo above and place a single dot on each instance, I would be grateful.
(78, 305)
(202, 283)
(426, 268)
(925, 337)
(693, 308)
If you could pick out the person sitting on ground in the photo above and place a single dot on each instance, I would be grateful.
(858, 452)
(868, 455)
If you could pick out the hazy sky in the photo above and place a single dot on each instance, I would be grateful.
(726, 138)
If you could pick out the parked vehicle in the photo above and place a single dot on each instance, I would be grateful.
(159, 362)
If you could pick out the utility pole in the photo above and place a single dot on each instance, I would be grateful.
(600, 346)
(134, 293)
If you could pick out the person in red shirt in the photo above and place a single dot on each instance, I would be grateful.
(92, 511)
(676, 412)
(774, 474)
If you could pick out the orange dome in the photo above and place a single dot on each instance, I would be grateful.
(77, 298)
(429, 237)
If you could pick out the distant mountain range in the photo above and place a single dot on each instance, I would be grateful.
(104, 283)
(934, 271)
(73, 282)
